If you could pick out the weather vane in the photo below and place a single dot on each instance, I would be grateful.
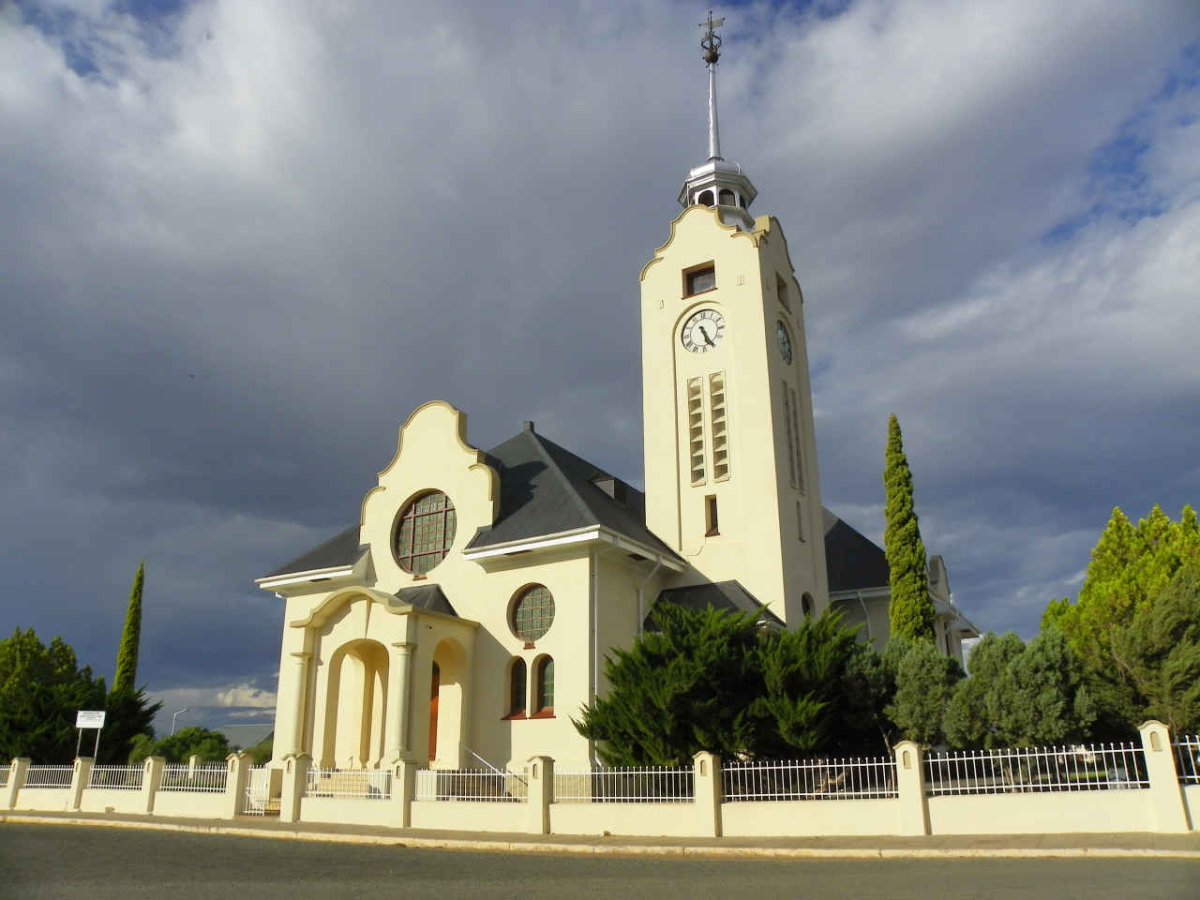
(711, 42)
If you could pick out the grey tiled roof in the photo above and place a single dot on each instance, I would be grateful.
(729, 595)
(342, 549)
(426, 596)
(852, 562)
(545, 489)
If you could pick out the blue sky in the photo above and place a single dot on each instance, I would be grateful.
(242, 242)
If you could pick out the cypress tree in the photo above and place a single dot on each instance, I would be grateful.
(127, 656)
(910, 610)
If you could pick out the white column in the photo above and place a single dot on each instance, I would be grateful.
(300, 673)
(398, 699)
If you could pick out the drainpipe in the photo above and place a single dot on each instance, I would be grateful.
(641, 606)
(866, 615)
(594, 672)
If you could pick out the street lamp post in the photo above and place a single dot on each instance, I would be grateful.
(178, 712)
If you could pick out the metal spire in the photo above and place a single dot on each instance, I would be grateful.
(711, 44)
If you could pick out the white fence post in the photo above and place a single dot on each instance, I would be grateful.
(1166, 796)
(404, 779)
(910, 788)
(81, 774)
(152, 772)
(295, 782)
(237, 775)
(706, 790)
(541, 794)
(16, 781)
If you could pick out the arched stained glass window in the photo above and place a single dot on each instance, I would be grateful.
(532, 613)
(516, 688)
(424, 532)
(544, 681)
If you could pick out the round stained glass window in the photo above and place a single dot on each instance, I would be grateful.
(533, 613)
(424, 532)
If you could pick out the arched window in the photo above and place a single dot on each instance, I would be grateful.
(532, 613)
(516, 688)
(727, 198)
(424, 532)
(544, 686)
(705, 198)
(806, 604)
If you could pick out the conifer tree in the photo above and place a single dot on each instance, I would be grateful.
(127, 655)
(910, 609)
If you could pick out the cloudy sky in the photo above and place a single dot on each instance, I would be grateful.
(240, 241)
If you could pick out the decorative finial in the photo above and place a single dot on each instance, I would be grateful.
(711, 44)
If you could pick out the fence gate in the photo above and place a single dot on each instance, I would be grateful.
(258, 800)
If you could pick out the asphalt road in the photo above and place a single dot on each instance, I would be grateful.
(47, 862)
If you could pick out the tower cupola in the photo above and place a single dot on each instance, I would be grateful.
(717, 182)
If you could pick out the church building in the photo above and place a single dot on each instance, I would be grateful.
(463, 620)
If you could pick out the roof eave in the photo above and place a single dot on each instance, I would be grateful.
(593, 534)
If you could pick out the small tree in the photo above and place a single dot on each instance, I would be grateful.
(910, 609)
(968, 722)
(125, 679)
(685, 686)
(1158, 653)
(925, 680)
(208, 746)
(713, 680)
(41, 688)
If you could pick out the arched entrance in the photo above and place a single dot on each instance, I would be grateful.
(446, 704)
(355, 703)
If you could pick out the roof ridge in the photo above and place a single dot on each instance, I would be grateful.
(581, 505)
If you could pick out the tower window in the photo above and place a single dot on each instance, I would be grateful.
(796, 440)
(782, 292)
(720, 425)
(711, 525)
(695, 415)
(727, 198)
(705, 198)
(698, 281)
(789, 427)
(807, 606)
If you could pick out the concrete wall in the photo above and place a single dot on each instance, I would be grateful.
(648, 819)
(184, 804)
(110, 800)
(1071, 812)
(48, 799)
(810, 818)
(469, 816)
(1191, 797)
(350, 810)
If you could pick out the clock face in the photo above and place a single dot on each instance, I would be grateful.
(703, 331)
(785, 343)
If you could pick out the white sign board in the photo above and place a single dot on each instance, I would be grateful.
(89, 718)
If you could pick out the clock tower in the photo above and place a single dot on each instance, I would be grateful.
(730, 456)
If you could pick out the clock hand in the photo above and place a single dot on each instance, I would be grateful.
(707, 339)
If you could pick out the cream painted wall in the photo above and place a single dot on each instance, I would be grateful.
(759, 543)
